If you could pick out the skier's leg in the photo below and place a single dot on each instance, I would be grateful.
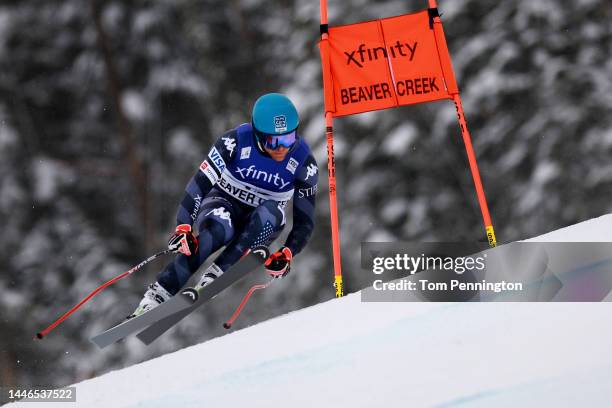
(263, 226)
(216, 228)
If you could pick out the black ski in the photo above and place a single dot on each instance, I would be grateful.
(256, 258)
(183, 301)
(114, 334)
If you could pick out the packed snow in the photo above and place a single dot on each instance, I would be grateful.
(347, 353)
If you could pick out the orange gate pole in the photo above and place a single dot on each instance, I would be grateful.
(467, 140)
(331, 163)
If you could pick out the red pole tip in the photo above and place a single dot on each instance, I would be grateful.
(39, 335)
(227, 325)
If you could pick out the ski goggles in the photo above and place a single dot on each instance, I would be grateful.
(273, 142)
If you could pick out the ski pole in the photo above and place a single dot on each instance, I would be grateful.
(44, 332)
(231, 320)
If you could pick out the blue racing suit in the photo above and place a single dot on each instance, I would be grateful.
(237, 200)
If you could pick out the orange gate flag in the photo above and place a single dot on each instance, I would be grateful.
(385, 63)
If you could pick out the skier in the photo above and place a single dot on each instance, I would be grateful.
(237, 200)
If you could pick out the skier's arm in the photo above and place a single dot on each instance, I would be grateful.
(206, 177)
(304, 199)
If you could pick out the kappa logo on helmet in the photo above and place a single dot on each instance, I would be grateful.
(280, 124)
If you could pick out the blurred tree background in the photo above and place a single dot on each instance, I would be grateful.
(108, 107)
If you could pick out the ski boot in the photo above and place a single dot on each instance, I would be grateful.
(153, 297)
(210, 274)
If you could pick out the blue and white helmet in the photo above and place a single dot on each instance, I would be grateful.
(275, 120)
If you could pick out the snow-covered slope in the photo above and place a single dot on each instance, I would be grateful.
(594, 230)
(345, 353)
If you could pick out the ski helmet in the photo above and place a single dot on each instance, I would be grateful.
(275, 120)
